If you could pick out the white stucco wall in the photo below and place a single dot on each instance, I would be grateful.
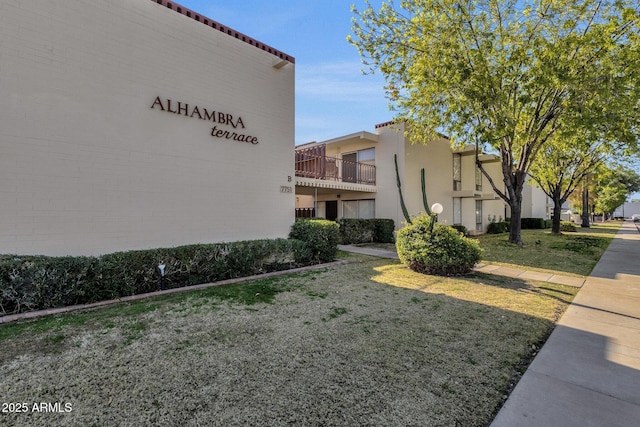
(534, 201)
(88, 167)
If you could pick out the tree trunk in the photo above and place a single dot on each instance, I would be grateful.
(516, 224)
(585, 207)
(557, 210)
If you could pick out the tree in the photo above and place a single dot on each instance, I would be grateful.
(614, 185)
(581, 200)
(563, 166)
(507, 74)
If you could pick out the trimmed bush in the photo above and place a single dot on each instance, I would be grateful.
(498, 227)
(320, 236)
(532, 223)
(443, 251)
(354, 230)
(384, 229)
(461, 228)
(38, 282)
(568, 226)
(378, 230)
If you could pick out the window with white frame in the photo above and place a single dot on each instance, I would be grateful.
(478, 215)
(457, 172)
(478, 179)
(457, 210)
(363, 209)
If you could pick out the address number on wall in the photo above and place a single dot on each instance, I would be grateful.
(286, 189)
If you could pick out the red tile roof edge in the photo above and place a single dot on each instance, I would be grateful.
(381, 125)
(223, 28)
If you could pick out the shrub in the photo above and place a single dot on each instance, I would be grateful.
(384, 229)
(461, 228)
(354, 230)
(532, 223)
(443, 251)
(498, 227)
(39, 282)
(320, 236)
(567, 226)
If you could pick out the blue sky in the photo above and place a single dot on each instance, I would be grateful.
(333, 97)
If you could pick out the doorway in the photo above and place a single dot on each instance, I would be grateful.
(331, 210)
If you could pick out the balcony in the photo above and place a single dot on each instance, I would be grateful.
(312, 163)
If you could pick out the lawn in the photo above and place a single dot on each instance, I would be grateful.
(572, 253)
(365, 343)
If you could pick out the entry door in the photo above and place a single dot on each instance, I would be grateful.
(331, 210)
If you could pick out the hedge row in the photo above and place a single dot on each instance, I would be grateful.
(320, 236)
(526, 224)
(529, 223)
(30, 283)
(379, 230)
(532, 223)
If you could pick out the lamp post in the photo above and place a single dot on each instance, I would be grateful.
(161, 267)
(436, 209)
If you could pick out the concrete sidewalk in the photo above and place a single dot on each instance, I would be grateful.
(368, 251)
(588, 372)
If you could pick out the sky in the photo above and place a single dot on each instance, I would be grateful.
(333, 97)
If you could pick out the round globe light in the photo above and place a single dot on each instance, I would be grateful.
(437, 208)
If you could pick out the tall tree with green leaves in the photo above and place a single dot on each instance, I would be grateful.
(614, 185)
(507, 75)
(563, 166)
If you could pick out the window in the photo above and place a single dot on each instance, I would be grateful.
(479, 215)
(359, 166)
(367, 156)
(366, 209)
(457, 172)
(478, 179)
(363, 209)
(457, 210)
(350, 209)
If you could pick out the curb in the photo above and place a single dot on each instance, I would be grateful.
(63, 310)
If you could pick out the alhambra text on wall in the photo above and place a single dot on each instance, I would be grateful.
(221, 118)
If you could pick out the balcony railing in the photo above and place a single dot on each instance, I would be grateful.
(311, 165)
(305, 212)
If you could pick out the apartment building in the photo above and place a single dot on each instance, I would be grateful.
(354, 176)
(133, 124)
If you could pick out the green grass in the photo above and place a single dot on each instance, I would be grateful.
(570, 253)
(254, 292)
(367, 342)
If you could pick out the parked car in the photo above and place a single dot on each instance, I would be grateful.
(635, 217)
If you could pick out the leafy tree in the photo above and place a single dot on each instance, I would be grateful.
(507, 74)
(563, 167)
(610, 197)
(613, 187)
